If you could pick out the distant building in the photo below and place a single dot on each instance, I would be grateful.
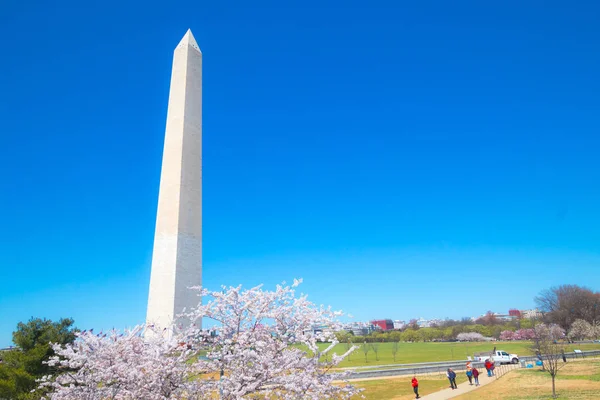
(383, 324)
(498, 316)
(321, 329)
(504, 317)
(360, 328)
(398, 325)
(514, 313)
(531, 314)
(361, 331)
(428, 323)
(435, 322)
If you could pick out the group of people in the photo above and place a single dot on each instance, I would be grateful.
(472, 376)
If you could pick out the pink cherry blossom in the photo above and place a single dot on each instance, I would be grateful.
(261, 342)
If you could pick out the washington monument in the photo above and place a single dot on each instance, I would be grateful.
(177, 253)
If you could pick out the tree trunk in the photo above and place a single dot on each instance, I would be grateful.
(553, 387)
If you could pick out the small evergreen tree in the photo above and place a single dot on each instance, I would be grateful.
(21, 367)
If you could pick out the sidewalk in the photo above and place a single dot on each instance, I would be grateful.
(465, 387)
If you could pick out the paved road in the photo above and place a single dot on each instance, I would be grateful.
(465, 387)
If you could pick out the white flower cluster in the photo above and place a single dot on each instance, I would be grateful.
(581, 329)
(264, 343)
(470, 337)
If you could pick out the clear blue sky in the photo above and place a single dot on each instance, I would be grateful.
(403, 158)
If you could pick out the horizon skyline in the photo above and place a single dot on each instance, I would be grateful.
(413, 158)
(428, 319)
(351, 320)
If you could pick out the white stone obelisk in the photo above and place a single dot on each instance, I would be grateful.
(177, 254)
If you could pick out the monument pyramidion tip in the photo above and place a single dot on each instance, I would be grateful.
(189, 40)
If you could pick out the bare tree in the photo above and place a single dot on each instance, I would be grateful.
(395, 347)
(365, 348)
(564, 304)
(413, 324)
(348, 347)
(550, 351)
(489, 319)
(375, 348)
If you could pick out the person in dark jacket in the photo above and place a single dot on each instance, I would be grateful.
(475, 372)
(415, 385)
(452, 378)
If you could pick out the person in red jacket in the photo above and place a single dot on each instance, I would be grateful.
(415, 385)
(488, 367)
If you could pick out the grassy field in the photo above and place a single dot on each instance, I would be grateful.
(401, 388)
(431, 352)
(577, 380)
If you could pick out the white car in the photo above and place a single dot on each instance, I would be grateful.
(499, 356)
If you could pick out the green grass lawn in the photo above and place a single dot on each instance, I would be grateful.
(576, 381)
(432, 352)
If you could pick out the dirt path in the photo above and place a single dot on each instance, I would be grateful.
(465, 387)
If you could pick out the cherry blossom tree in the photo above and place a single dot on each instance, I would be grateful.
(581, 329)
(507, 335)
(521, 334)
(124, 366)
(525, 334)
(549, 350)
(264, 343)
(470, 337)
(557, 332)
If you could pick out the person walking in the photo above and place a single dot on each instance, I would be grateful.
(492, 368)
(488, 366)
(452, 378)
(470, 373)
(415, 386)
(475, 372)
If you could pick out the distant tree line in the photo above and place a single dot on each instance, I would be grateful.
(573, 308)
(449, 331)
(563, 305)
